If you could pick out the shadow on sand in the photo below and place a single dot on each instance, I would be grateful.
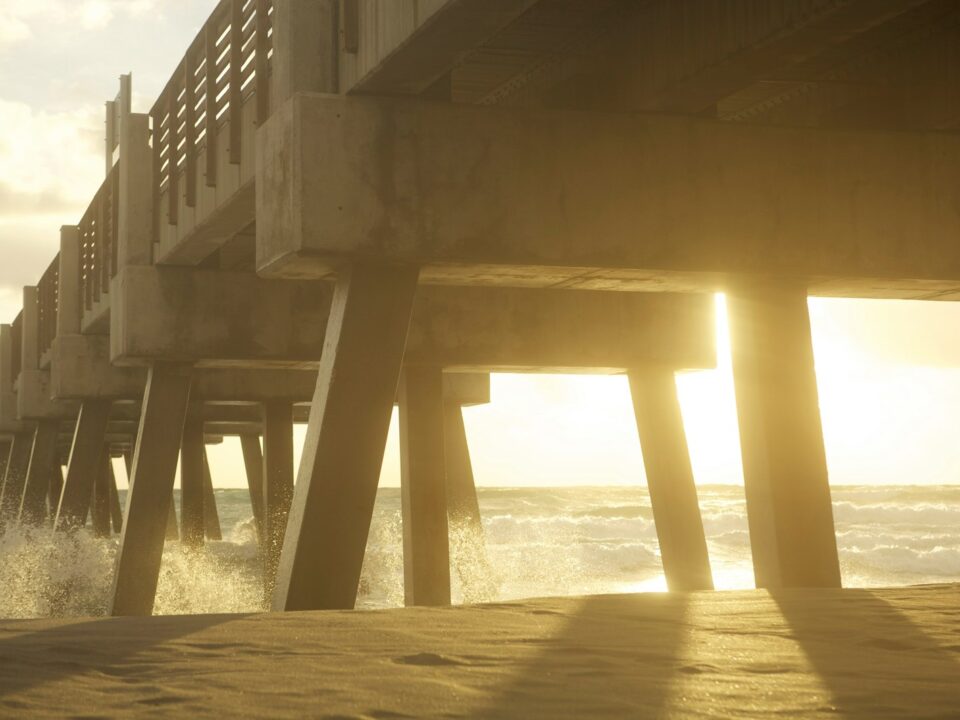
(617, 657)
(872, 659)
(106, 646)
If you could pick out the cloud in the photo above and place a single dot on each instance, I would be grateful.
(12, 30)
(49, 161)
(19, 18)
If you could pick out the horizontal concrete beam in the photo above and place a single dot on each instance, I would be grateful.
(34, 401)
(506, 196)
(225, 319)
(202, 316)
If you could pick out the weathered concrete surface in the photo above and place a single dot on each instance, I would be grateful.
(191, 482)
(426, 558)
(187, 315)
(673, 492)
(232, 318)
(80, 368)
(790, 515)
(277, 476)
(343, 452)
(151, 483)
(34, 399)
(43, 456)
(596, 200)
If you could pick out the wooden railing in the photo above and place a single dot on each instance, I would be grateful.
(98, 241)
(48, 302)
(227, 63)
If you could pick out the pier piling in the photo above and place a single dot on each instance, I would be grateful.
(426, 557)
(162, 419)
(784, 461)
(349, 418)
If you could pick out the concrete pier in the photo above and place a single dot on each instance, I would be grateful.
(192, 458)
(162, 420)
(253, 464)
(349, 418)
(83, 464)
(673, 493)
(385, 189)
(426, 559)
(277, 481)
(43, 456)
(15, 477)
(781, 437)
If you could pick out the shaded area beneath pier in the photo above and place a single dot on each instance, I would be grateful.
(846, 654)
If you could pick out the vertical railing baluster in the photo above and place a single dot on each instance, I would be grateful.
(210, 41)
(114, 219)
(155, 135)
(190, 130)
(260, 62)
(236, 80)
(98, 267)
(173, 199)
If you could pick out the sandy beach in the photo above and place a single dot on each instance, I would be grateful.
(799, 654)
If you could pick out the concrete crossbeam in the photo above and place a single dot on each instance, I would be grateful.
(593, 200)
(231, 319)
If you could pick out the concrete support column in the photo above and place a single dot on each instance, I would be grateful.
(673, 493)
(192, 455)
(5, 446)
(211, 519)
(33, 504)
(253, 462)
(426, 554)
(15, 477)
(277, 482)
(173, 526)
(162, 419)
(784, 461)
(55, 490)
(347, 431)
(468, 552)
(83, 464)
(100, 508)
(116, 512)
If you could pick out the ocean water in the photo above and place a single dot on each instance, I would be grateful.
(544, 541)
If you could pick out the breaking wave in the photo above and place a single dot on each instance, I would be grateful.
(535, 542)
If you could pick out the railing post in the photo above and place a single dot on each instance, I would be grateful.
(30, 340)
(135, 192)
(235, 93)
(210, 121)
(304, 48)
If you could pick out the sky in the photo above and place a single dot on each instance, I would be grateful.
(888, 372)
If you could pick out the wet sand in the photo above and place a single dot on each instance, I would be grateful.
(836, 654)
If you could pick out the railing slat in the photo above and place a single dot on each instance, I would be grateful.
(211, 105)
(190, 130)
(236, 80)
(172, 153)
(263, 91)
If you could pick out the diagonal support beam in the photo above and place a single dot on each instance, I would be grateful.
(151, 485)
(33, 504)
(781, 436)
(673, 493)
(340, 467)
(83, 464)
(253, 463)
